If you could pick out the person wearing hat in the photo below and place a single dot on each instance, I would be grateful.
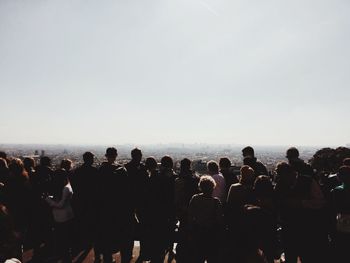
(114, 217)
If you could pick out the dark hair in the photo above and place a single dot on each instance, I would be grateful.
(344, 174)
(60, 180)
(111, 152)
(283, 168)
(88, 158)
(167, 162)
(263, 186)
(213, 167)
(248, 151)
(207, 184)
(224, 162)
(346, 161)
(136, 152)
(3, 155)
(292, 153)
(45, 161)
(185, 165)
(28, 162)
(151, 163)
(66, 164)
(3, 164)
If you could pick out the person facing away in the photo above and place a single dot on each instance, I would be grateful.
(18, 197)
(205, 219)
(114, 215)
(300, 203)
(219, 190)
(63, 215)
(230, 177)
(250, 159)
(138, 178)
(29, 166)
(83, 181)
(341, 213)
(186, 185)
(4, 174)
(43, 176)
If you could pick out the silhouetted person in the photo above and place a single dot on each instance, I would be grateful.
(83, 182)
(63, 215)
(29, 166)
(230, 177)
(258, 167)
(346, 161)
(18, 197)
(300, 204)
(341, 208)
(43, 176)
(161, 207)
(4, 174)
(205, 221)
(265, 225)
(298, 164)
(3, 155)
(240, 194)
(313, 213)
(186, 185)
(10, 245)
(139, 178)
(115, 210)
(220, 188)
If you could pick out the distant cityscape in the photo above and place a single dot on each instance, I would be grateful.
(200, 154)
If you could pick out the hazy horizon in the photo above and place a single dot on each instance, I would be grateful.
(186, 71)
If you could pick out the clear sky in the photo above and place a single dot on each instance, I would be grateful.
(158, 71)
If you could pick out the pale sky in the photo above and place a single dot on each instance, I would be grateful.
(187, 71)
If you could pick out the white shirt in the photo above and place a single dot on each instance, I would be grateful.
(62, 210)
(219, 190)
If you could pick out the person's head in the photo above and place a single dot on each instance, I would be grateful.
(29, 163)
(207, 185)
(16, 168)
(285, 173)
(151, 164)
(224, 163)
(136, 155)
(263, 186)
(248, 151)
(45, 161)
(213, 167)
(344, 174)
(111, 154)
(292, 154)
(88, 158)
(3, 164)
(3, 155)
(247, 175)
(346, 161)
(185, 165)
(167, 162)
(66, 164)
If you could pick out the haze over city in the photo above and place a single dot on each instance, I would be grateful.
(187, 71)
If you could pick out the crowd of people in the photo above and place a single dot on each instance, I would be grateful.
(255, 216)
